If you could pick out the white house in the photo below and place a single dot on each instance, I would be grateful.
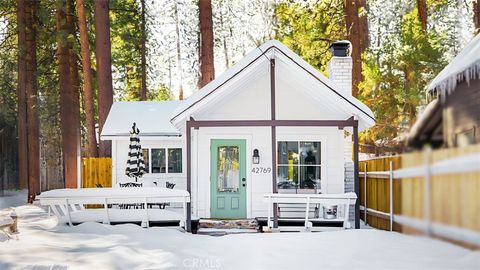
(271, 123)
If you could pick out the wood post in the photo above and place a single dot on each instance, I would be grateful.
(391, 195)
(274, 139)
(355, 175)
(189, 175)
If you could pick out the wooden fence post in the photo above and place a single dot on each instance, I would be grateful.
(427, 191)
(365, 195)
(391, 195)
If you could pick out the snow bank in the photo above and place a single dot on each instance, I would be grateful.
(41, 243)
(13, 198)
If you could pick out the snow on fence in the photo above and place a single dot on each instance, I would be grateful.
(434, 192)
(96, 171)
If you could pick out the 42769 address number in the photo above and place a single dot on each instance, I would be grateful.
(261, 170)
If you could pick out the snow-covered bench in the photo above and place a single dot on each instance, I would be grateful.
(307, 201)
(69, 205)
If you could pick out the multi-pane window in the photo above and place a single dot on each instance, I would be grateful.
(157, 159)
(174, 160)
(299, 167)
(146, 159)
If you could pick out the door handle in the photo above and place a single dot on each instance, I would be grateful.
(244, 184)
(243, 179)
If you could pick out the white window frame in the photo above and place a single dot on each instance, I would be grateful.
(321, 165)
(166, 160)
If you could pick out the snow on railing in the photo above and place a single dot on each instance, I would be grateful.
(342, 200)
(464, 164)
(69, 204)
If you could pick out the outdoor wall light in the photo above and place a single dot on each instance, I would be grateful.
(256, 157)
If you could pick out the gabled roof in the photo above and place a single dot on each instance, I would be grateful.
(263, 53)
(465, 66)
(152, 119)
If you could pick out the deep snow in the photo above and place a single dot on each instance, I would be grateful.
(41, 244)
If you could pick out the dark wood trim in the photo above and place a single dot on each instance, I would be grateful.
(356, 178)
(272, 90)
(189, 174)
(274, 139)
(275, 123)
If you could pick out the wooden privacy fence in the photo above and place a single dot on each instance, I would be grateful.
(96, 171)
(434, 192)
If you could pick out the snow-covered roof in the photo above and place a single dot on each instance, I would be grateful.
(254, 60)
(152, 119)
(464, 67)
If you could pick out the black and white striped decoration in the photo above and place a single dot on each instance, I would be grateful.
(135, 164)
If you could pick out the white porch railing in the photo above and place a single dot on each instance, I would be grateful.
(462, 164)
(68, 204)
(340, 200)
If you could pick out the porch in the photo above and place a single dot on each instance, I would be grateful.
(136, 205)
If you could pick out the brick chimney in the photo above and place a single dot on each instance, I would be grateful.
(340, 66)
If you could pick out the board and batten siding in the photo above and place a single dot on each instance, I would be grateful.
(259, 184)
(461, 112)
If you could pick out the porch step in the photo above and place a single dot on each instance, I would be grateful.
(228, 225)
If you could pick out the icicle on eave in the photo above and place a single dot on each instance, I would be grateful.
(448, 85)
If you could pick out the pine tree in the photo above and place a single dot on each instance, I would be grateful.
(422, 13)
(88, 96)
(21, 96)
(143, 29)
(207, 69)
(104, 69)
(69, 96)
(356, 33)
(33, 126)
(179, 54)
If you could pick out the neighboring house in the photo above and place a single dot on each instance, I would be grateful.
(271, 123)
(453, 118)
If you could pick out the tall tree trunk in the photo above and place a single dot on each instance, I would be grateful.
(422, 13)
(21, 98)
(476, 16)
(207, 70)
(33, 126)
(224, 41)
(68, 99)
(75, 84)
(179, 54)
(363, 21)
(143, 52)
(354, 34)
(88, 98)
(104, 69)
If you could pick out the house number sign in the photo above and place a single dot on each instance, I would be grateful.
(259, 170)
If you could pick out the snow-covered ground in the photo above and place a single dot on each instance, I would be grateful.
(41, 244)
(12, 198)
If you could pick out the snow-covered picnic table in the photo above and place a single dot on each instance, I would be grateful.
(69, 204)
(342, 201)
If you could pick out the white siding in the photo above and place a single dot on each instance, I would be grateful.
(260, 184)
(120, 156)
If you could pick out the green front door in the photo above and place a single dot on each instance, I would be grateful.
(228, 179)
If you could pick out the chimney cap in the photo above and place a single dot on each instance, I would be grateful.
(340, 48)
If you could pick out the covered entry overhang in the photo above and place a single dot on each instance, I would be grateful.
(281, 71)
